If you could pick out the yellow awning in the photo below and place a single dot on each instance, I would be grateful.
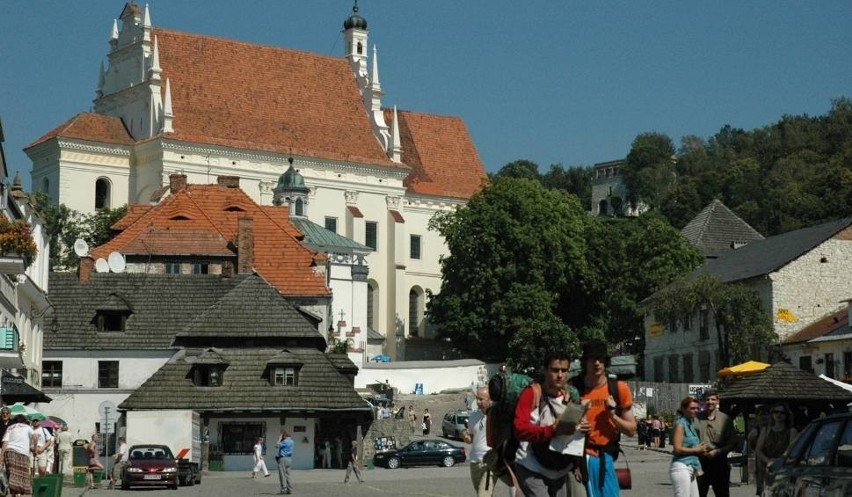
(744, 368)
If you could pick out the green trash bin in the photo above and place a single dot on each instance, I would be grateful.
(48, 486)
(80, 478)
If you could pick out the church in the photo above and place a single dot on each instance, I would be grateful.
(169, 102)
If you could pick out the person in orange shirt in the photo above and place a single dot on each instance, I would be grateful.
(604, 421)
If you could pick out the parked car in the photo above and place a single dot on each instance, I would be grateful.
(818, 462)
(150, 465)
(454, 423)
(381, 358)
(421, 453)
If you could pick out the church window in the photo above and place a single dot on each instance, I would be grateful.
(415, 311)
(299, 207)
(415, 246)
(360, 48)
(331, 224)
(371, 231)
(45, 186)
(102, 193)
(372, 304)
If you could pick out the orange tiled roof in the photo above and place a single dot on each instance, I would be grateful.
(278, 100)
(134, 212)
(821, 327)
(90, 127)
(204, 218)
(441, 154)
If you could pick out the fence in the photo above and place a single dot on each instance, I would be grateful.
(652, 398)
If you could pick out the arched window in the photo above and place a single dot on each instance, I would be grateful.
(415, 311)
(45, 186)
(603, 208)
(372, 304)
(299, 207)
(102, 193)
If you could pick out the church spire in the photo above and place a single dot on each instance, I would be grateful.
(168, 114)
(396, 143)
(156, 70)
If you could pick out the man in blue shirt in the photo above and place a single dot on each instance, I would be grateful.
(285, 460)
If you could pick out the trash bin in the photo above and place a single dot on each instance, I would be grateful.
(48, 485)
(80, 477)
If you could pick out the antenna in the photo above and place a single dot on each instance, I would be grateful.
(81, 248)
(116, 262)
(101, 265)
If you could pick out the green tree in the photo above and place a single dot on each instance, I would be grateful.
(575, 179)
(513, 250)
(743, 328)
(649, 170)
(66, 225)
(520, 169)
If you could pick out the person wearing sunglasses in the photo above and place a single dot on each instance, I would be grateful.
(774, 439)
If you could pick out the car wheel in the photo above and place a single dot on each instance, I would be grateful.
(448, 462)
(393, 463)
(444, 432)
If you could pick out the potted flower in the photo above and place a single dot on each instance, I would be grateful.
(17, 248)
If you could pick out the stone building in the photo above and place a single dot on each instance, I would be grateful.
(172, 102)
(609, 192)
(800, 276)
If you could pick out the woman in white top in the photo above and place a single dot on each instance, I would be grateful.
(259, 463)
(19, 442)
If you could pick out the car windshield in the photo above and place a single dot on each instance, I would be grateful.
(150, 452)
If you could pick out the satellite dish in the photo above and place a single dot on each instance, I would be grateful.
(101, 265)
(81, 248)
(116, 262)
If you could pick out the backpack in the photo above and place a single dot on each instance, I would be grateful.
(504, 389)
(614, 446)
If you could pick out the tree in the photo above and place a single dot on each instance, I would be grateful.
(575, 179)
(649, 170)
(743, 328)
(66, 225)
(520, 169)
(513, 250)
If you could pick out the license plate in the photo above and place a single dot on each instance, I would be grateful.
(151, 477)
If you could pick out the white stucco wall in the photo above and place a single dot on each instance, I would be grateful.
(78, 399)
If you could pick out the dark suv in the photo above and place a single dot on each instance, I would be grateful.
(819, 462)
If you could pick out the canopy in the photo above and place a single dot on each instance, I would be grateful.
(29, 412)
(744, 368)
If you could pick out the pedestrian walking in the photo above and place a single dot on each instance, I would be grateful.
(354, 464)
(259, 463)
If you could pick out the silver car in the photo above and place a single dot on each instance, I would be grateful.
(454, 423)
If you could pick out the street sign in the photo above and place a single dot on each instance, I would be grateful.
(108, 413)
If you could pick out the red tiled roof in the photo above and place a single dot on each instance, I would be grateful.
(203, 219)
(277, 100)
(90, 127)
(134, 212)
(822, 327)
(441, 154)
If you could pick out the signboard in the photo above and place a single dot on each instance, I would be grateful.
(697, 391)
(656, 329)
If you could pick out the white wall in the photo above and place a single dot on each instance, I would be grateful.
(436, 376)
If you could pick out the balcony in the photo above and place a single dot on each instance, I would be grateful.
(12, 264)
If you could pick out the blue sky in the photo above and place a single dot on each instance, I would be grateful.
(570, 82)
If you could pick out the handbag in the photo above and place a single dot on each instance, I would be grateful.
(625, 482)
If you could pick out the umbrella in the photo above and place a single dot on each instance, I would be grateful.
(49, 423)
(744, 368)
(59, 421)
(29, 412)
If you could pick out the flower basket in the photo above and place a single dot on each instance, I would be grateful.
(17, 248)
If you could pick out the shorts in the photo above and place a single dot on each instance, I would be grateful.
(43, 458)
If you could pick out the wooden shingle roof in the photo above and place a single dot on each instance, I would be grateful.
(716, 230)
(161, 305)
(246, 385)
(784, 382)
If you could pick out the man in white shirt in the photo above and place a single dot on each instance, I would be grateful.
(474, 434)
(44, 447)
(121, 456)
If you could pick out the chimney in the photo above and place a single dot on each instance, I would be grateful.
(85, 266)
(177, 182)
(227, 269)
(245, 245)
(228, 181)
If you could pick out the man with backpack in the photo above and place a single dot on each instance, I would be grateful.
(609, 415)
(542, 472)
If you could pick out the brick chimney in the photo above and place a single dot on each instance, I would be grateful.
(177, 182)
(245, 245)
(85, 267)
(228, 181)
(227, 269)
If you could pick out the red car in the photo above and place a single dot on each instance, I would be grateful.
(150, 465)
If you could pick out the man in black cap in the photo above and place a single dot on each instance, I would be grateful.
(605, 419)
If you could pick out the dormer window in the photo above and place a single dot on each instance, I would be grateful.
(209, 375)
(287, 376)
(108, 321)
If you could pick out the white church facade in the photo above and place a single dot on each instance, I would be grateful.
(171, 102)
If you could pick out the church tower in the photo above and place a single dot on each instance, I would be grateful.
(292, 192)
